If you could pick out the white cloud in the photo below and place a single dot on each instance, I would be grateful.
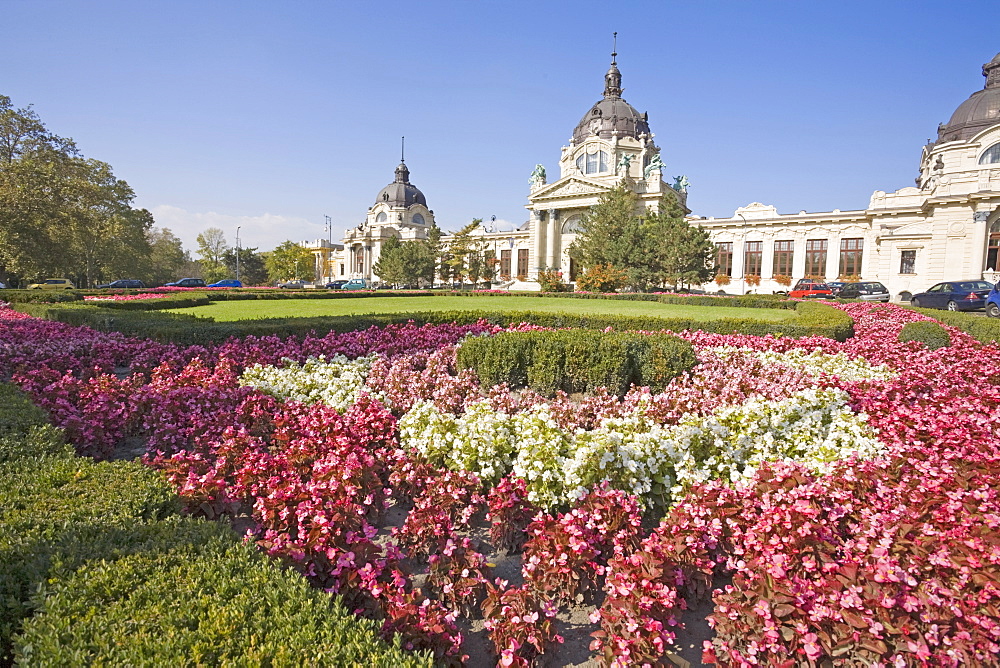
(264, 231)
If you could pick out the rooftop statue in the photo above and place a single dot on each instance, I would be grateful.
(681, 183)
(537, 176)
(655, 163)
(623, 165)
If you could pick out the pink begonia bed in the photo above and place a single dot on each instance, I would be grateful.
(889, 562)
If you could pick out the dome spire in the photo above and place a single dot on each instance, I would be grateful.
(613, 79)
(402, 173)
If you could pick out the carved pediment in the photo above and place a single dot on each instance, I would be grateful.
(570, 186)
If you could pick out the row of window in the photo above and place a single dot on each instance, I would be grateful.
(522, 263)
(851, 251)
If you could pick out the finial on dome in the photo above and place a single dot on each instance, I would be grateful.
(402, 149)
(613, 79)
(402, 173)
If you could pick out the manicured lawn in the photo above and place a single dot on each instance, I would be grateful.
(303, 308)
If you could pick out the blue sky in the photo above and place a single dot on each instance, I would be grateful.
(272, 115)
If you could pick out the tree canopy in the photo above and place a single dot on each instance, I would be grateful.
(651, 249)
(60, 213)
(290, 261)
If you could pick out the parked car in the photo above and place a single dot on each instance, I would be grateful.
(355, 284)
(187, 283)
(993, 302)
(809, 288)
(293, 285)
(124, 283)
(3, 286)
(335, 285)
(227, 283)
(869, 291)
(53, 284)
(835, 287)
(954, 296)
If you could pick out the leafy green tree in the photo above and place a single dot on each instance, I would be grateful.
(252, 268)
(389, 266)
(463, 251)
(290, 261)
(167, 257)
(211, 247)
(686, 252)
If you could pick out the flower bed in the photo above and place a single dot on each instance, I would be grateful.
(848, 489)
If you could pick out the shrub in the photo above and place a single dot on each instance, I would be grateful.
(576, 361)
(931, 334)
(550, 280)
(601, 278)
(722, 280)
(208, 601)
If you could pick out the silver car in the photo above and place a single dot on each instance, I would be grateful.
(868, 291)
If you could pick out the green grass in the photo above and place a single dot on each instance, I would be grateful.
(227, 311)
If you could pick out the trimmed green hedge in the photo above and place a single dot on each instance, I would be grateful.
(104, 542)
(32, 296)
(983, 329)
(577, 360)
(813, 319)
(931, 334)
(194, 595)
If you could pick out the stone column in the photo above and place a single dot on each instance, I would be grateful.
(537, 244)
(978, 245)
(552, 225)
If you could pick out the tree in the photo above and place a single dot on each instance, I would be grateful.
(464, 254)
(252, 268)
(686, 254)
(211, 247)
(389, 267)
(290, 261)
(167, 257)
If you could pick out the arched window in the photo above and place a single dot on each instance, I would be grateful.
(572, 225)
(418, 219)
(990, 155)
(381, 218)
(593, 163)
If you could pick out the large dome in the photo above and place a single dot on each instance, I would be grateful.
(612, 113)
(980, 111)
(401, 192)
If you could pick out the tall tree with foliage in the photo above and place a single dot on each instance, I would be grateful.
(686, 254)
(252, 268)
(290, 261)
(167, 258)
(61, 214)
(389, 266)
(212, 246)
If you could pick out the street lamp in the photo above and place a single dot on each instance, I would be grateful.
(238, 252)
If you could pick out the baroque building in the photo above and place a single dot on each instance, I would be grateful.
(946, 227)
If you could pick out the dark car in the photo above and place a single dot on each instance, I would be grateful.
(125, 283)
(187, 283)
(835, 287)
(993, 302)
(293, 285)
(335, 285)
(869, 291)
(227, 283)
(954, 296)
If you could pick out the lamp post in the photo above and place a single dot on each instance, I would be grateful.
(238, 252)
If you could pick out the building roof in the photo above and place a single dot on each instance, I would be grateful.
(979, 112)
(611, 113)
(401, 192)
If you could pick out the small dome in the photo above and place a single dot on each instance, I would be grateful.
(980, 111)
(612, 113)
(401, 192)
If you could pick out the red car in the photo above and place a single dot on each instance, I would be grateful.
(806, 288)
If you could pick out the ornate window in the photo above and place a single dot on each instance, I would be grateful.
(907, 261)
(850, 257)
(381, 218)
(522, 261)
(783, 254)
(593, 163)
(572, 226)
(753, 255)
(816, 258)
(505, 264)
(724, 258)
(418, 219)
(990, 155)
(359, 260)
